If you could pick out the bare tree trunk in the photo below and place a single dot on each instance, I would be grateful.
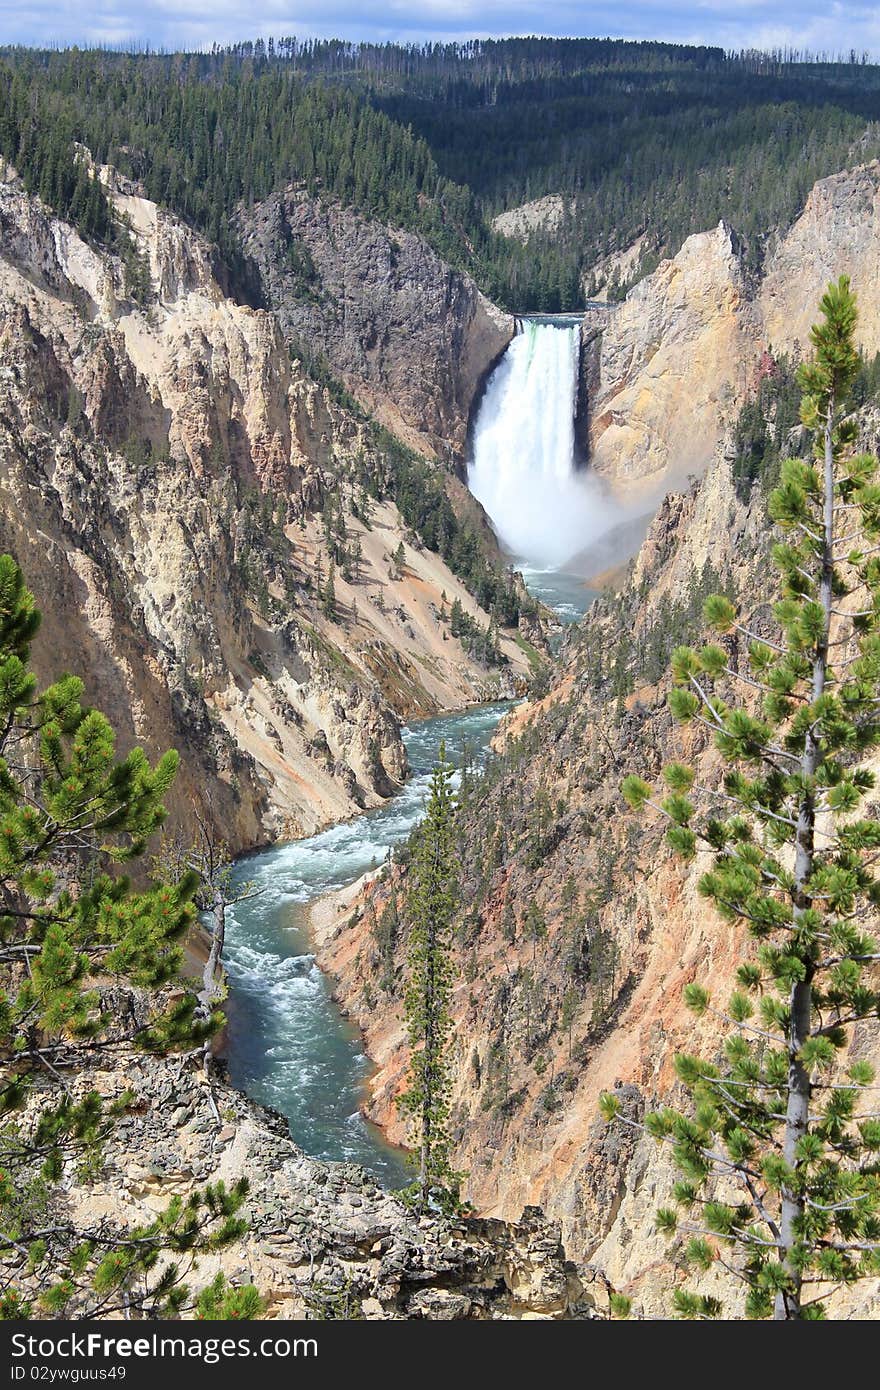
(213, 965)
(212, 977)
(787, 1305)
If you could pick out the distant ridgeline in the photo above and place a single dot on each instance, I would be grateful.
(637, 137)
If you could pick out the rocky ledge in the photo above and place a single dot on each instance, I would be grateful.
(323, 1239)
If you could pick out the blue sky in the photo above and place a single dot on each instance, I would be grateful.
(834, 25)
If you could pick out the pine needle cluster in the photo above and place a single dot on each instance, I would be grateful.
(75, 939)
(779, 1149)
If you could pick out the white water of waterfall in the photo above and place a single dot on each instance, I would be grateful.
(523, 467)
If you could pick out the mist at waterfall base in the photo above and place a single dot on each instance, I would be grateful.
(522, 469)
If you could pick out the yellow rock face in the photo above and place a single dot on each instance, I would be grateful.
(838, 233)
(680, 354)
(672, 363)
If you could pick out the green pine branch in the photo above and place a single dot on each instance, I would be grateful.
(781, 1177)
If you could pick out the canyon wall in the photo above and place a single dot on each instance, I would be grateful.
(175, 486)
(578, 930)
(838, 233)
(673, 364)
(411, 338)
(681, 353)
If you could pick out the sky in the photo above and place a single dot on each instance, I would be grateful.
(829, 25)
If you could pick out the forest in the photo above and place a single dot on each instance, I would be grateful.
(639, 138)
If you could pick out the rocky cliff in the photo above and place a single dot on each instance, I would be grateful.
(673, 361)
(322, 1240)
(578, 930)
(680, 354)
(410, 338)
(540, 215)
(837, 233)
(177, 487)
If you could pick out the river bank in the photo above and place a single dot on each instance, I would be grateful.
(288, 1044)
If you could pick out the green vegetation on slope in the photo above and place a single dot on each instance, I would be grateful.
(638, 137)
(204, 133)
(90, 973)
(419, 491)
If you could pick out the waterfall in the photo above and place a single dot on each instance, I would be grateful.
(522, 467)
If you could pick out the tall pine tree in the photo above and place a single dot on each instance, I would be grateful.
(778, 1151)
(76, 943)
(431, 908)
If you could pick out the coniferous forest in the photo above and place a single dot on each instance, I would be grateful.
(637, 137)
(439, 687)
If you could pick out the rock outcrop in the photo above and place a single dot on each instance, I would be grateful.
(411, 338)
(176, 488)
(838, 233)
(671, 366)
(323, 1240)
(680, 354)
(540, 215)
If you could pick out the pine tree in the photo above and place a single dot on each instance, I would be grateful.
(69, 924)
(426, 1099)
(466, 773)
(508, 923)
(571, 1001)
(136, 263)
(535, 926)
(779, 1153)
(329, 596)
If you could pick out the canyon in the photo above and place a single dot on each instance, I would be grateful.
(174, 477)
(169, 471)
(577, 931)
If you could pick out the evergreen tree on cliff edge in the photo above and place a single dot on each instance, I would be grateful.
(779, 1151)
(431, 907)
(86, 966)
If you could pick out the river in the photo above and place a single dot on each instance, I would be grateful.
(288, 1045)
(565, 593)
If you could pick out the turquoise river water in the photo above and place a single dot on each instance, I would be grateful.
(288, 1045)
